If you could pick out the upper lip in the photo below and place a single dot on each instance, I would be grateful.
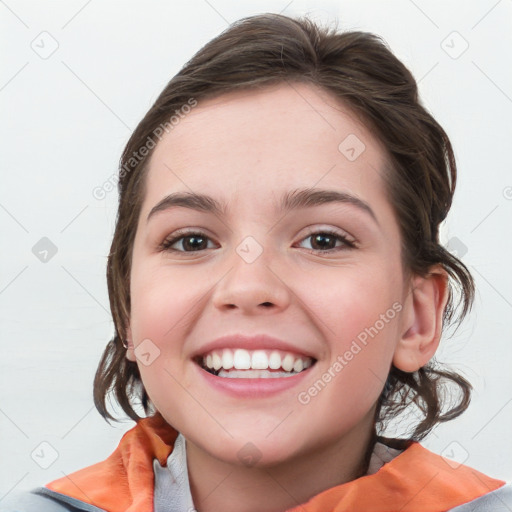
(254, 342)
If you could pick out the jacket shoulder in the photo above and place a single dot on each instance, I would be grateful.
(499, 500)
(42, 499)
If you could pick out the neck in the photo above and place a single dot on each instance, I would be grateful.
(219, 485)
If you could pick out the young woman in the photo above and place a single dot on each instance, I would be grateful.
(279, 289)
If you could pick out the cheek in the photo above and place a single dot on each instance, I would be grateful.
(350, 300)
(163, 303)
(347, 385)
(359, 315)
(161, 312)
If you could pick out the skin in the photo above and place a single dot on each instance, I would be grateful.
(247, 149)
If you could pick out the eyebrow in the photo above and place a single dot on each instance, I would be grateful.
(293, 200)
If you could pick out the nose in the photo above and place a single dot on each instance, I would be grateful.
(252, 287)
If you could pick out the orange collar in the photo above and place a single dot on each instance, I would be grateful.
(416, 480)
(124, 482)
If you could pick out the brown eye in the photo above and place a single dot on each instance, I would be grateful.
(189, 242)
(324, 241)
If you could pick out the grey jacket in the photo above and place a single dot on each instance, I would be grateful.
(46, 500)
(172, 490)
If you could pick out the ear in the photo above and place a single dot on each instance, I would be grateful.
(130, 351)
(422, 320)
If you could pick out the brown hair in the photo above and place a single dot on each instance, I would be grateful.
(359, 69)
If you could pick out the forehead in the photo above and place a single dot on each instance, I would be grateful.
(276, 138)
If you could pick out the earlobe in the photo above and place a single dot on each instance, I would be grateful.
(130, 355)
(422, 320)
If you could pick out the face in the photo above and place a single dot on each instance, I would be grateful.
(305, 288)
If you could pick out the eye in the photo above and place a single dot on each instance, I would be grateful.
(191, 241)
(322, 241)
(325, 240)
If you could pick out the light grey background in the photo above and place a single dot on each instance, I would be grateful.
(66, 117)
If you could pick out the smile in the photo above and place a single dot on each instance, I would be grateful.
(239, 363)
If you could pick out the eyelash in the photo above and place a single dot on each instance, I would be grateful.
(168, 242)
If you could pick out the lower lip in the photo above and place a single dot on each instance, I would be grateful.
(252, 388)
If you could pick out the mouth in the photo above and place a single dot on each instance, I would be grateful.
(239, 363)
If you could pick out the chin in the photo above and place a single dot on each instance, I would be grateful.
(248, 449)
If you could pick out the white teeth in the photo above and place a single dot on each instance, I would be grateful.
(298, 366)
(255, 364)
(254, 374)
(241, 359)
(259, 360)
(287, 363)
(216, 361)
(274, 361)
(227, 359)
